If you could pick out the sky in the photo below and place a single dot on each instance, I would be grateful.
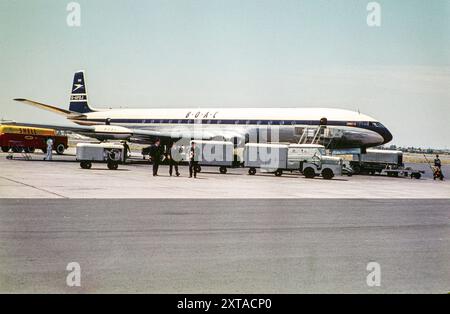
(235, 53)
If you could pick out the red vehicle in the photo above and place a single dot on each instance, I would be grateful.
(18, 138)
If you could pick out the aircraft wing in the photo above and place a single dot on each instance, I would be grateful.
(73, 128)
(145, 136)
(136, 135)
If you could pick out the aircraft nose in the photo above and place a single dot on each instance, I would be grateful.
(387, 135)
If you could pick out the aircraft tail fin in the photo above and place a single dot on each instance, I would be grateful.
(79, 97)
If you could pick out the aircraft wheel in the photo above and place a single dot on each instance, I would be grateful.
(252, 171)
(309, 173)
(60, 149)
(279, 173)
(223, 170)
(5, 149)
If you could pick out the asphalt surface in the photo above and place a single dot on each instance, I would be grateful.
(233, 233)
(63, 178)
(225, 246)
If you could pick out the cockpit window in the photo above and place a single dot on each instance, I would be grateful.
(376, 124)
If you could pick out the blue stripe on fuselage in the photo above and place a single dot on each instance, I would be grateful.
(219, 121)
(381, 130)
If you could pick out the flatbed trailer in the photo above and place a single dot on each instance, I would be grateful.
(406, 172)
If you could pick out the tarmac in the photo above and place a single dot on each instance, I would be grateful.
(225, 246)
(234, 233)
(63, 178)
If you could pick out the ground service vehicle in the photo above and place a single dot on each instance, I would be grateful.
(111, 154)
(215, 153)
(27, 139)
(376, 160)
(267, 157)
(308, 159)
(383, 161)
(313, 161)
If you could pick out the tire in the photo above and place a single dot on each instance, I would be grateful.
(29, 150)
(356, 169)
(198, 169)
(60, 149)
(417, 176)
(327, 174)
(309, 173)
(279, 173)
(223, 170)
(252, 171)
(5, 149)
(113, 165)
(85, 165)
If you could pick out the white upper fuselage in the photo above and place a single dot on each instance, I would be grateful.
(234, 114)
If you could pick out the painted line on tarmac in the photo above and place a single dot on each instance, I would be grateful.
(34, 187)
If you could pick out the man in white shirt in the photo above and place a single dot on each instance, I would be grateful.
(49, 149)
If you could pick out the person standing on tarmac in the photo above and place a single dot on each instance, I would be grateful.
(156, 154)
(194, 154)
(438, 166)
(126, 150)
(437, 162)
(49, 155)
(173, 156)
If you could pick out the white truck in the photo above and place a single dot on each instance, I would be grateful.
(308, 159)
(109, 153)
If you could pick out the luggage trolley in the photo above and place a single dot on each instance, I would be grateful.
(111, 154)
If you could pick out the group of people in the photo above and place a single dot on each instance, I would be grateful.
(173, 155)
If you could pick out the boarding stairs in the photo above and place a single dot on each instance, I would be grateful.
(312, 134)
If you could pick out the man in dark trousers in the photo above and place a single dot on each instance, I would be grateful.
(173, 156)
(156, 153)
(194, 154)
(438, 165)
(126, 150)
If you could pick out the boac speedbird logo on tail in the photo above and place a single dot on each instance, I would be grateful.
(77, 86)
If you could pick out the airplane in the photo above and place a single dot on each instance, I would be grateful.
(340, 129)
